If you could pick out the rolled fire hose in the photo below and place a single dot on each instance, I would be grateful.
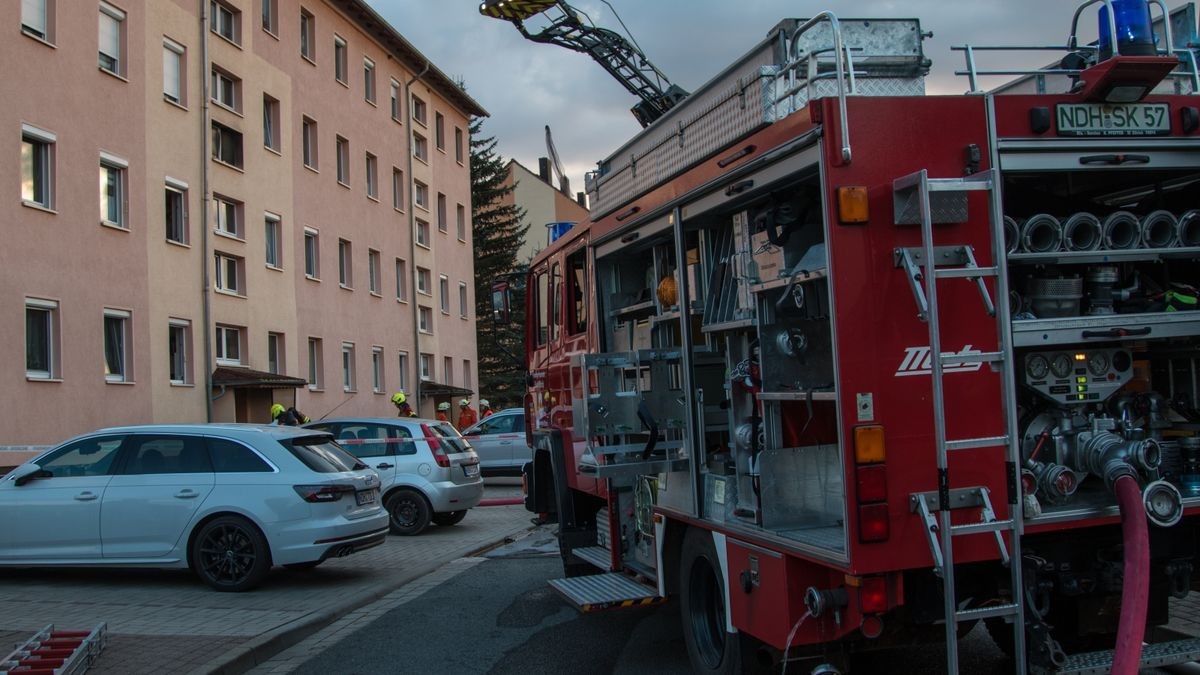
(1160, 229)
(1041, 234)
(1082, 232)
(1136, 588)
(1122, 231)
(1189, 228)
(1012, 234)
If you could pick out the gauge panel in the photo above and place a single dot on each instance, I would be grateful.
(1077, 377)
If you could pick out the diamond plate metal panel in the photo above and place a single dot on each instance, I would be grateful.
(944, 207)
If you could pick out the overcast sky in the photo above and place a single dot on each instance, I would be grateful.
(526, 85)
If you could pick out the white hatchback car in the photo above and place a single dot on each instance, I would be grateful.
(228, 501)
(430, 473)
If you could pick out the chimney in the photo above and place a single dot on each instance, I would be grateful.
(544, 169)
(581, 199)
(564, 186)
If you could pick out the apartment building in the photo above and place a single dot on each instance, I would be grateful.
(543, 203)
(215, 205)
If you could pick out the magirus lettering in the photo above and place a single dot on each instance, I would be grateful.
(919, 361)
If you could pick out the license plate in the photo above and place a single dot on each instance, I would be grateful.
(1114, 119)
(472, 470)
(367, 496)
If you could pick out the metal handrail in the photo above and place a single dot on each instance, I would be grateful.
(844, 63)
(1072, 41)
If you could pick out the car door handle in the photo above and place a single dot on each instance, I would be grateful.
(505, 442)
(85, 496)
(385, 465)
(187, 493)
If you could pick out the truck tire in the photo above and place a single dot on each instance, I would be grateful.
(711, 649)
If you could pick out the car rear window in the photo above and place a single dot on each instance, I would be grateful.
(450, 436)
(320, 454)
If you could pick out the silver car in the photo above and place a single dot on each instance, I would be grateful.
(499, 440)
(429, 473)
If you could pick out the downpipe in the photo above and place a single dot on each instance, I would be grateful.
(1136, 587)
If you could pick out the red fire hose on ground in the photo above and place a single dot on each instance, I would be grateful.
(1136, 539)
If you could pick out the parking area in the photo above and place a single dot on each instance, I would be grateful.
(168, 622)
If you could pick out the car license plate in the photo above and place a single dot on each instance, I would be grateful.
(1114, 119)
(472, 470)
(365, 497)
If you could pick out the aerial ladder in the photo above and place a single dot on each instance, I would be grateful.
(569, 27)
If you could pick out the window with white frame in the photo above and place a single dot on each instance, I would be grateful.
(112, 40)
(448, 369)
(229, 345)
(458, 146)
(270, 16)
(227, 216)
(373, 271)
(339, 59)
(425, 320)
(226, 145)
(402, 382)
(179, 345)
(420, 147)
(230, 271)
(401, 280)
(116, 346)
(348, 380)
(377, 382)
(316, 365)
(345, 264)
(176, 210)
(113, 186)
(225, 20)
(312, 251)
(272, 132)
(421, 194)
(226, 89)
(439, 131)
(308, 137)
(372, 176)
(37, 166)
(422, 233)
(41, 339)
(426, 366)
(444, 293)
(460, 221)
(174, 72)
(37, 19)
(462, 299)
(343, 161)
(418, 110)
(395, 86)
(424, 281)
(308, 35)
(442, 223)
(273, 238)
(397, 189)
(275, 353)
(369, 80)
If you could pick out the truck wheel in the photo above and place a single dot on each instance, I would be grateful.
(710, 647)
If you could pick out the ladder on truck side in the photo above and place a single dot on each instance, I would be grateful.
(920, 199)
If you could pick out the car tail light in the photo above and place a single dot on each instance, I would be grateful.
(323, 493)
(874, 523)
(872, 595)
(872, 484)
(435, 446)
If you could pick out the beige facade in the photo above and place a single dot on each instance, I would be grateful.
(257, 194)
(543, 204)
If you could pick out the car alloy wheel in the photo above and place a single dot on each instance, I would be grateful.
(230, 554)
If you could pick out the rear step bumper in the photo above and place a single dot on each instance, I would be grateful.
(1153, 656)
(605, 591)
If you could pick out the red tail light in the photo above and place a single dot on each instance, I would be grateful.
(872, 596)
(872, 484)
(323, 493)
(874, 523)
(435, 446)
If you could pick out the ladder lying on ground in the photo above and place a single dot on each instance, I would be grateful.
(56, 652)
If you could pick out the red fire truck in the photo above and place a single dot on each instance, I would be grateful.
(842, 365)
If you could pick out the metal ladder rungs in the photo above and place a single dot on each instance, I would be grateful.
(1008, 609)
(975, 528)
(955, 358)
(970, 443)
(965, 272)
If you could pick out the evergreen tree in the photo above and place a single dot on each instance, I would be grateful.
(499, 230)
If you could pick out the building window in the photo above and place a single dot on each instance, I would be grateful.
(439, 131)
(423, 281)
(401, 280)
(343, 161)
(270, 16)
(372, 176)
(373, 271)
(458, 145)
(377, 383)
(175, 201)
(441, 213)
(36, 19)
(418, 110)
(444, 293)
(116, 346)
(402, 382)
(174, 72)
(397, 189)
(309, 138)
(275, 353)
(230, 270)
(229, 345)
(460, 221)
(462, 299)
(369, 80)
(112, 39)
(422, 233)
(420, 147)
(37, 167)
(425, 320)
(227, 213)
(178, 350)
(41, 339)
(312, 259)
(466, 373)
(271, 135)
(448, 369)
(308, 35)
(112, 191)
(226, 145)
(396, 100)
(339, 59)
(427, 366)
(226, 89)
(345, 271)
(273, 236)
(348, 383)
(226, 21)
(315, 363)
(421, 194)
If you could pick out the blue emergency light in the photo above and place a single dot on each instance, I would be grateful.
(1135, 34)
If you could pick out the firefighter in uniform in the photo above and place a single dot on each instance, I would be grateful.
(289, 417)
(485, 409)
(402, 407)
(466, 414)
(442, 409)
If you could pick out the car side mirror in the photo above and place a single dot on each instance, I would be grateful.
(27, 472)
(472, 432)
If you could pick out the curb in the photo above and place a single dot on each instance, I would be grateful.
(260, 649)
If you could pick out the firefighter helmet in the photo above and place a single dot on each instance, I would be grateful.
(464, 403)
(483, 403)
(277, 410)
(443, 406)
(399, 398)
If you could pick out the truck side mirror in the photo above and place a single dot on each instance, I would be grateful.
(501, 302)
